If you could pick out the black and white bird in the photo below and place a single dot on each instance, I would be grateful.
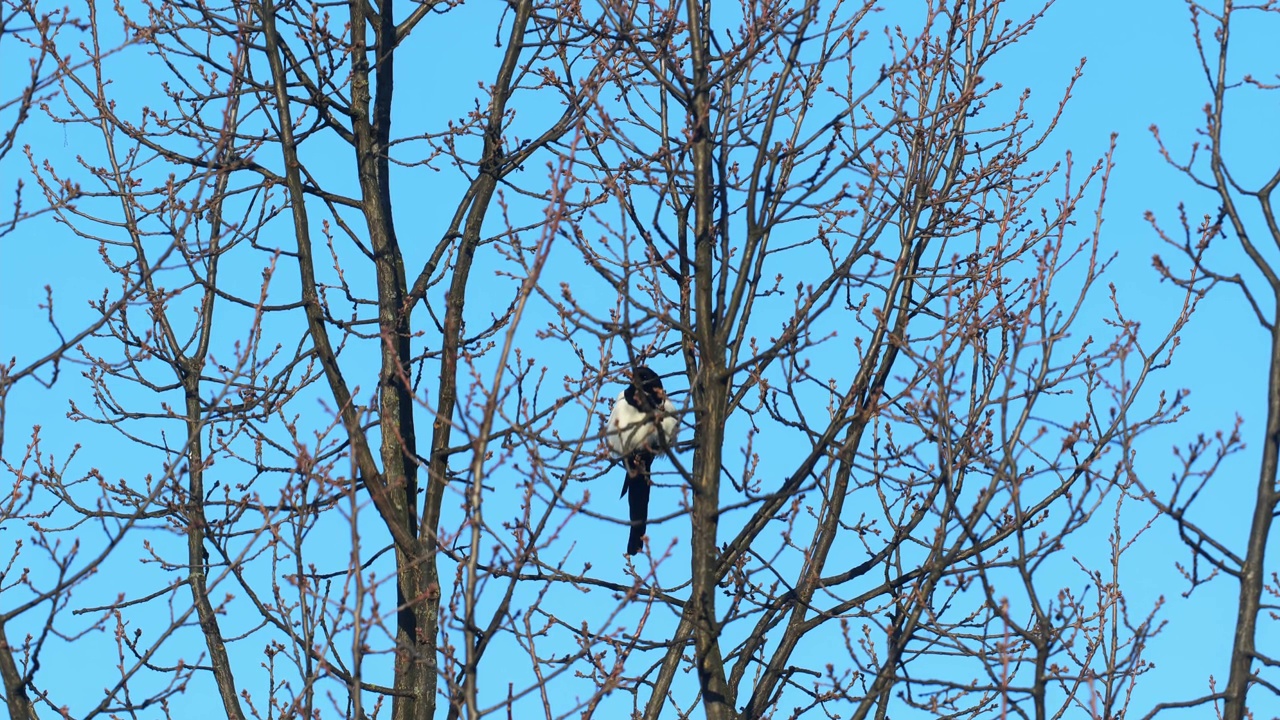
(643, 423)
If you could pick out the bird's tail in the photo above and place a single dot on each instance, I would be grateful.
(637, 489)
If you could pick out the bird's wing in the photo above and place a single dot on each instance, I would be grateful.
(670, 423)
(613, 430)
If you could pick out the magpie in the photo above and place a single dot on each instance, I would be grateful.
(642, 424)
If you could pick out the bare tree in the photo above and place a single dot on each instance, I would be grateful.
(243, 82)
(1222, 163)
(373, 324)
(40, 574)
(859, 272)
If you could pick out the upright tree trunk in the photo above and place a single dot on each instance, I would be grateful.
(711, 392)
(1253, 572)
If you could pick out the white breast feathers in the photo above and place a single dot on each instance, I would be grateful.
(630, 428)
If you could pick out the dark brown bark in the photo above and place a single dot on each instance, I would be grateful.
(15, 690)
(416, 585)
(711, 385)
(197, 554)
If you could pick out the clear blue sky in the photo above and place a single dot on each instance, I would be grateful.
(1141, 70)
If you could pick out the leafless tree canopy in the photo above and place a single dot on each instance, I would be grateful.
(366, 278)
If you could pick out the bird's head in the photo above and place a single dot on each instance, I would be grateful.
(645, 390)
